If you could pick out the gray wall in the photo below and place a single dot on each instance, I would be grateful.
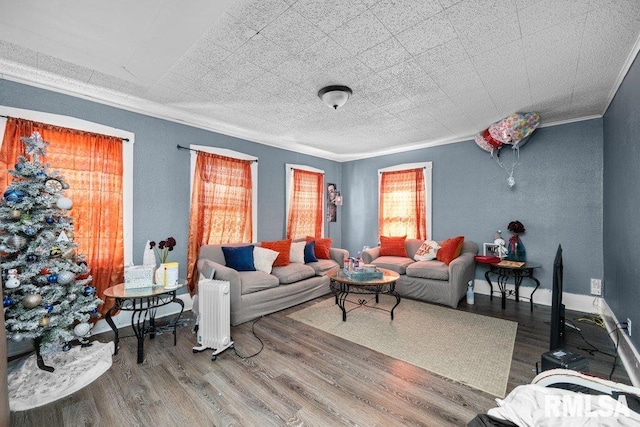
(558, 197)
(161, 171)
(622, 201)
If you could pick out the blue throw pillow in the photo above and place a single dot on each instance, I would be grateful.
(240, 258)
(310, 252)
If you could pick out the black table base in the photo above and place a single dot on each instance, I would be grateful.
(504, 274)
(342, 291)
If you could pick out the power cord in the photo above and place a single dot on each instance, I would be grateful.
(599, 321)
(257, 337)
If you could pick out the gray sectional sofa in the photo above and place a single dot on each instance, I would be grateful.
(256, 293)
(433, 280)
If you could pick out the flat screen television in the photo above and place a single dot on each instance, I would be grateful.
(557, 307)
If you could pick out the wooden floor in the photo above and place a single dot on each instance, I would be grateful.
(303, 377)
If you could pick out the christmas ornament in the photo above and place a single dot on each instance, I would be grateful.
(53, 185)
(19, 166)
(49, 307)
(64, 203)
(17, 337)
(16, 214)
(7, 302)
(31, 257)
(66, 277)
(25, 217)
(14, 196)
(55, 251)
(70, 235)
(41, 175)
(39, 251)
(49, 220)
(53, 278)
(63, 237)
(12, 281)
(16, 242)
(68, 253)
(89, 290)
(44, 321)
(31, 300)
(67, 346)
(72, 297)
(65, 185)
(29, 230)
(81, 329)
(45, 271)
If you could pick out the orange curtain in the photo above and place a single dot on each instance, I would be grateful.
(305, 207)
(92, 166)
(221, 206)
(402, 204)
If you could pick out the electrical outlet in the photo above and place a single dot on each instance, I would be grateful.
(629, 326)
(596, 287)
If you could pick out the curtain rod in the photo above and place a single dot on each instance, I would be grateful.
(7, 117)
(180, 147)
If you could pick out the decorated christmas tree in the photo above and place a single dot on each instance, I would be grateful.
(47, 294)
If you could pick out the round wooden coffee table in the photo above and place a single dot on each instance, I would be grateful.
(342, 285)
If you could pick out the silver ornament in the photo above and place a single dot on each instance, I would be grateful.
(66, 277)
(17, 337)
(81, 329)
(16, 242)
(16, 214)
(72, 297)
(32, 300)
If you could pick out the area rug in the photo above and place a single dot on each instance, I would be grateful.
(469, 348)
(30, 387)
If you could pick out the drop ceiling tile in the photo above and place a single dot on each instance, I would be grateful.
(427, 34)
(219, 82)
(590, 102)
(475, 13)
(329, 14)
(360, 105)
(478, 40)
(458, 79)
(174, 81)
(372, 83)
(295, 70)
(189, 69)
(370, 3)
(549, 13)
(323, 54)
(360, 33)
(205, 52)
(229, 33)
(402, 104)
(410, 76)
(427, 96)
(238, 67)
(262, 52)
(449, 3)
(257, 14)
(399, 15)
(354, 68)
(64, 68)
(384, 55)
(292, 32)
(442, 55)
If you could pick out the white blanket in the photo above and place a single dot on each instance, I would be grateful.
(533, 405)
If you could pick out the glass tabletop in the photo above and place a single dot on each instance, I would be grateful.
(388, 276)
(118, 291)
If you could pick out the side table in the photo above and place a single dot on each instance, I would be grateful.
(143, 303)
(504, 273)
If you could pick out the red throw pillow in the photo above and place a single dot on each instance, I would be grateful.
(283, 247)
(322, 247)
(450, 249)
(393, 246)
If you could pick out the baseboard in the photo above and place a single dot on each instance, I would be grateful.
(123, 319)
(586, 304)
(576, 302)
(626, 350)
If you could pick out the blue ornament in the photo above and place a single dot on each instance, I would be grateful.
(13, 195)
(41, 175)
(89, 290)
(49, 307)
(29, 230)
(94, 311)
(19, 166)
(53, 278)
(31, 257)
(7, 302)
(50, 220)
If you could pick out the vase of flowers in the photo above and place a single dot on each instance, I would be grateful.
(516, 250)
(166, 274)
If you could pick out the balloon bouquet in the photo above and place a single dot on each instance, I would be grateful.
(513, 130)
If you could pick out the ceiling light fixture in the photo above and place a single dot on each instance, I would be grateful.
(335, 96)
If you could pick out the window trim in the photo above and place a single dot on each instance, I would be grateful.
(428, 166)
(87, 126)
(289, 167)
(236, 155)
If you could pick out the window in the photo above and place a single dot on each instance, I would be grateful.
(405, 201)
(305, 192)
(223, 200)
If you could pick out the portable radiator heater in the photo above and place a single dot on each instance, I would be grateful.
(213, 325)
